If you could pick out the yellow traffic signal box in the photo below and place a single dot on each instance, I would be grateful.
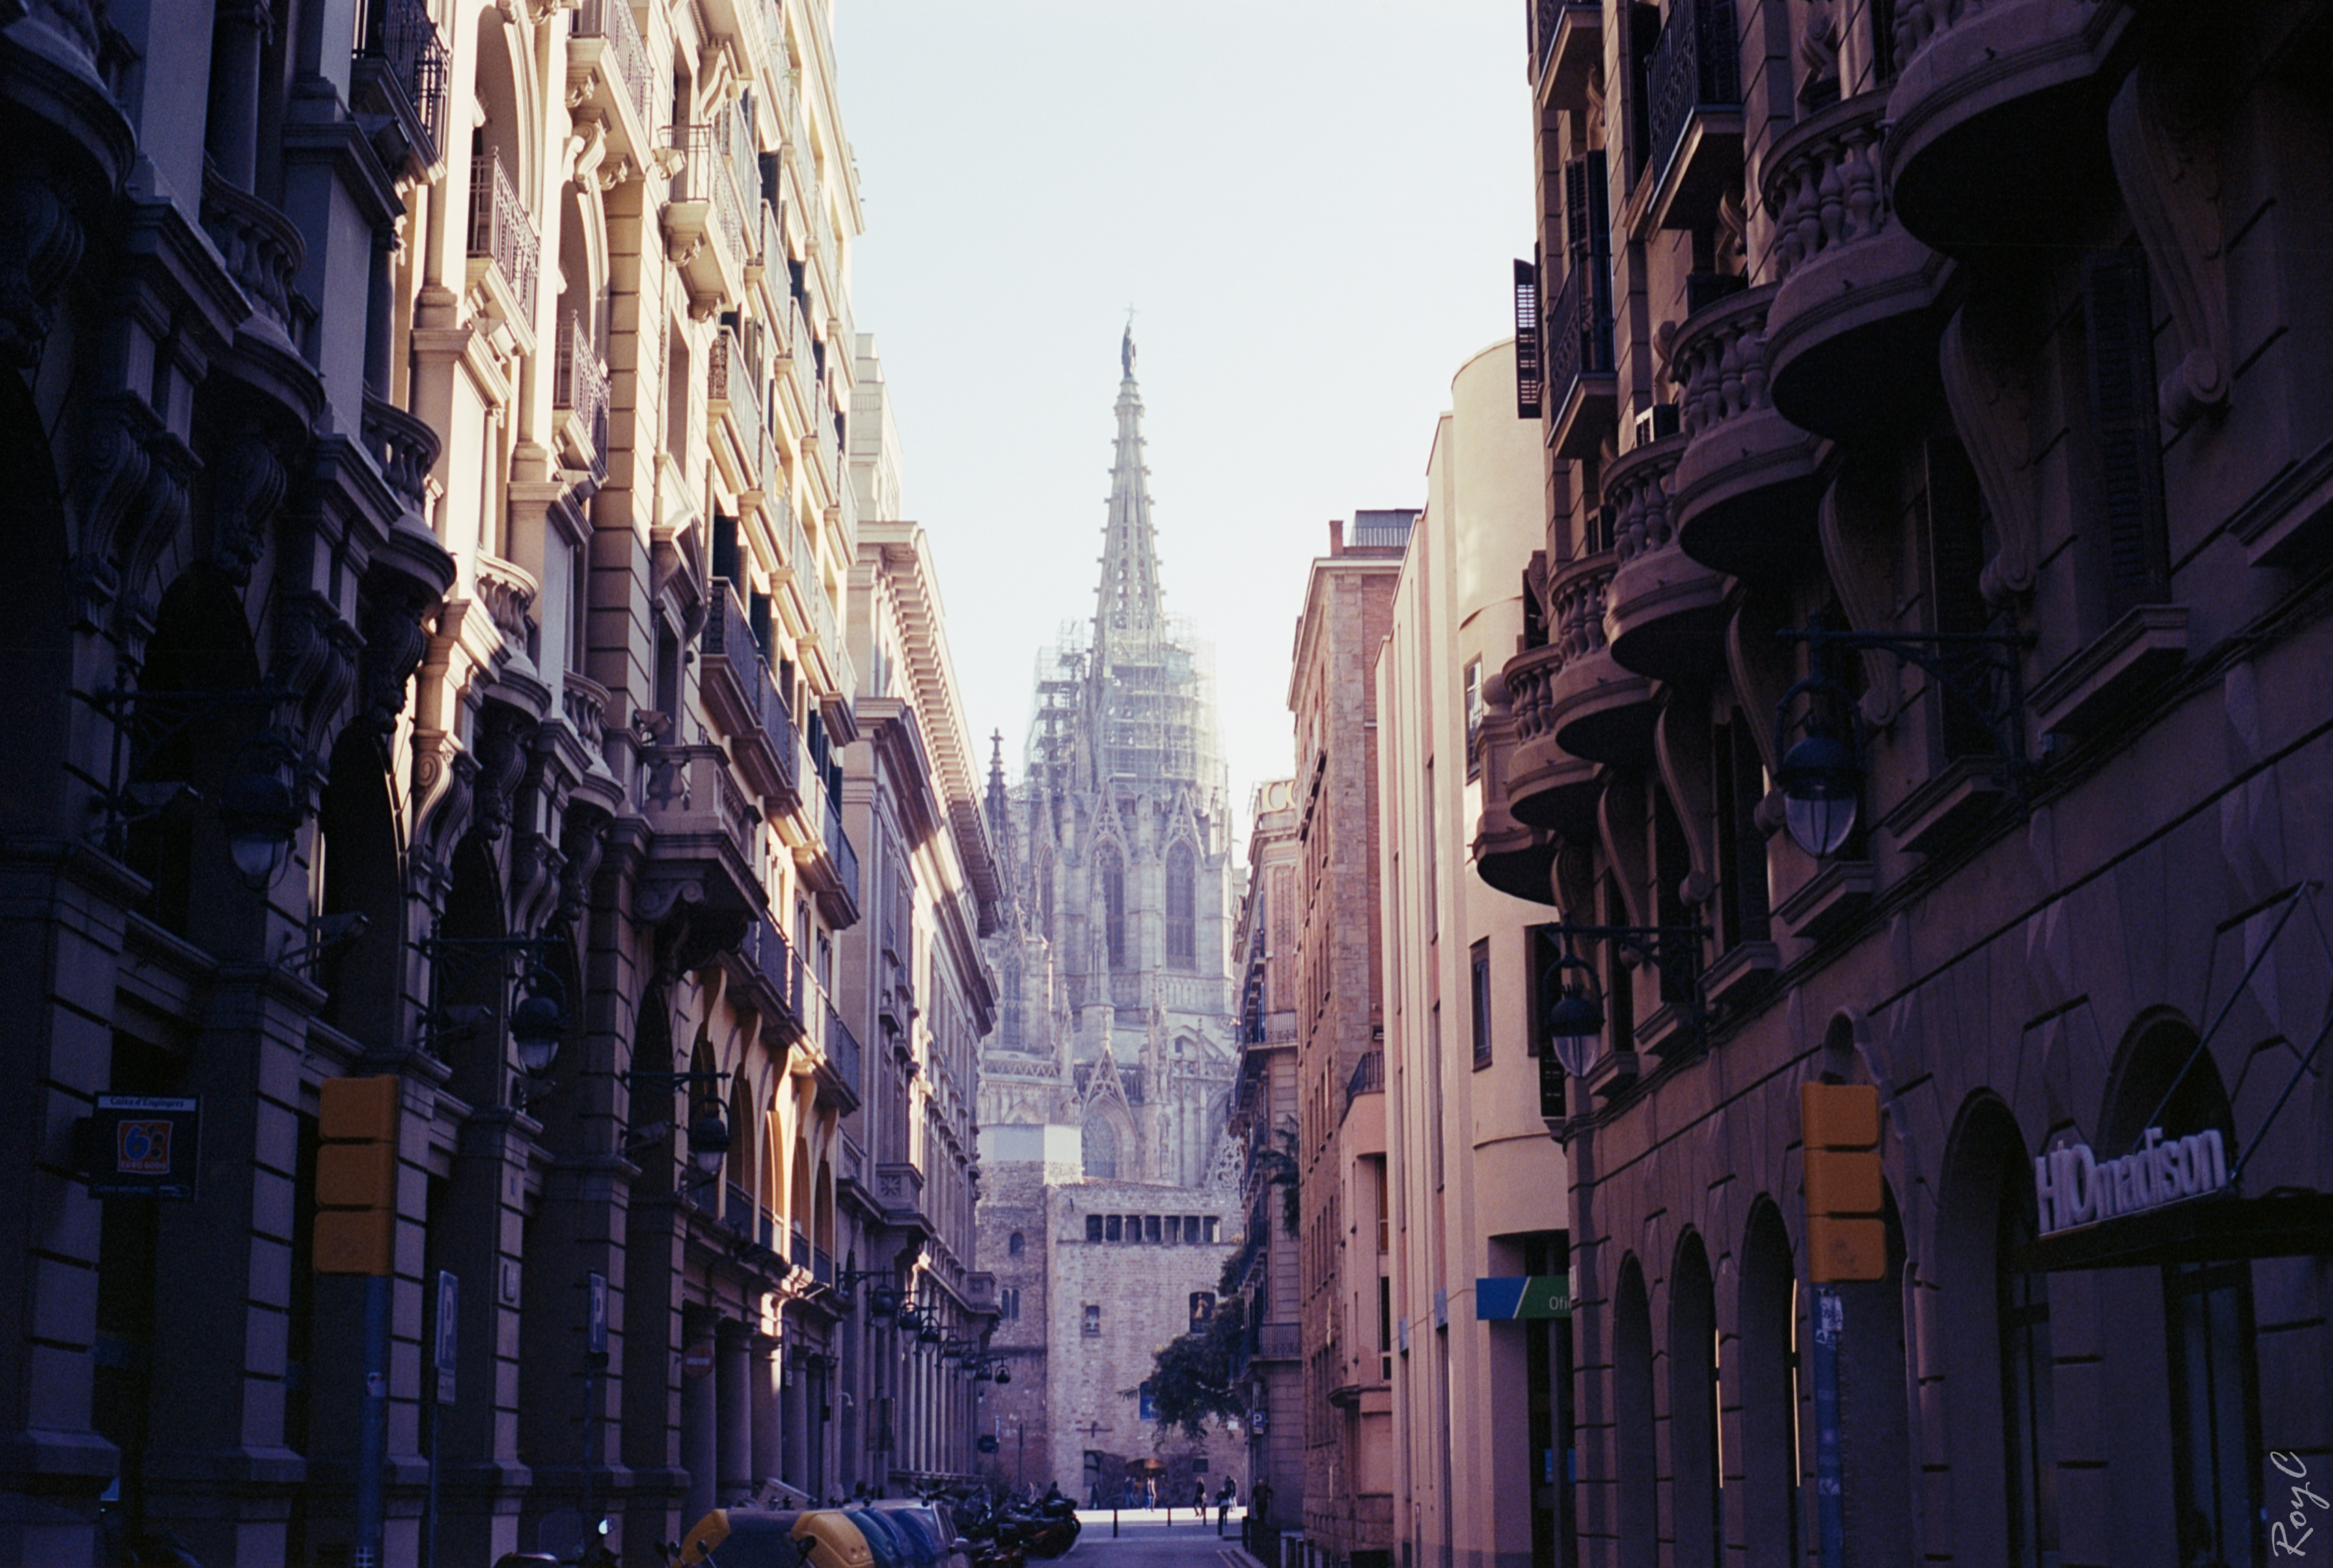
(1847, 1237)
(356, 1176)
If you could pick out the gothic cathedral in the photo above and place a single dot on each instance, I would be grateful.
(1104, 1091)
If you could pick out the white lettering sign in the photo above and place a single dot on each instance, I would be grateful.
(2074, 1188)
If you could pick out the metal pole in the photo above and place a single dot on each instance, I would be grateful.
(429, 1508)
(1830, 1511)
(372, 1432)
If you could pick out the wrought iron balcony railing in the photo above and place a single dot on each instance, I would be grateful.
(581, 385)
(1692, 67)
(612, 20)
(410, 54)
(501, 230)
(707, 174)
(1579, 327)
(1369, 1077)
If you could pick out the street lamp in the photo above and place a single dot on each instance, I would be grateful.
(1575, 1020)
(1575, 1012)
(537, 1024)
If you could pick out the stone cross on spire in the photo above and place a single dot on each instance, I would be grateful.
(1126, 607)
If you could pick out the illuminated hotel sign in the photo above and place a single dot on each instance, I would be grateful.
(2074, 1188)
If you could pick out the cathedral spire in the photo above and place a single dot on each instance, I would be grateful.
(1126, 608)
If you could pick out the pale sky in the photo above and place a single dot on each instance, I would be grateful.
(1313, 207)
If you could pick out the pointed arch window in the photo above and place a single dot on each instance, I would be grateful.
(1101, 1150)
(1182, 909)
(1113, 904)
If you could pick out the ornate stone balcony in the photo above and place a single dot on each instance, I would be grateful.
(1599, 710)
(1851, 335)
(703, 843)
(1744, 492)
(1542, 785)
(1662, 611)
(1996, 122)
(1510, 854)
(263, 254)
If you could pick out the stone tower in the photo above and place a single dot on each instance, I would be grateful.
(1106, 1085)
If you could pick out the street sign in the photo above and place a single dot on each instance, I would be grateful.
(985, 1443)
(449, 1324)
(697, 1361)
(595, 1289)
(143, 1146)
(1523, 1296)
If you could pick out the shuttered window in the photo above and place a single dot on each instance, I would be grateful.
(2135, 554)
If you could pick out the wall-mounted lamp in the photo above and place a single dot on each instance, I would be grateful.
(538, 1023)
(1821, 773)
(256, 808)
(1574, 999)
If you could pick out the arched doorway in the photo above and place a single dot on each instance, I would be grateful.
(1766, 1374)
(1695, 1483)
(363, 877)
(1636, 1483)
(1998, 1373)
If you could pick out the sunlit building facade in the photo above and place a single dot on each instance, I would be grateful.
(1476, 1190)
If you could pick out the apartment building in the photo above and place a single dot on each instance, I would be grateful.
(1341, 1147)
(1268, 1276)
(1917, 675)
(427, 441)
(1475, 1220)
(917, 967)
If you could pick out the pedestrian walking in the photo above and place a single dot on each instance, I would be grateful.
(1224, 1494)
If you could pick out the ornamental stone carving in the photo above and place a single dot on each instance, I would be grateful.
(40, 244)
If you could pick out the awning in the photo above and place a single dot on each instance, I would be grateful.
(2217, 1229)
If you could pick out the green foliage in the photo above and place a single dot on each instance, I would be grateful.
(1191, 1378)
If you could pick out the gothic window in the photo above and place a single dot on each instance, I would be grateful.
(1113, 904)
(1182, 908)
(1014, 1243)
(1101, 1149)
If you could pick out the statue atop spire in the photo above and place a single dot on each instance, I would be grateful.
(1126, 610)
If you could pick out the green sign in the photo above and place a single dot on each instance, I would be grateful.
(1523, 1296)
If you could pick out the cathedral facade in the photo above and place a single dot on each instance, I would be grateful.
(1109, 1197)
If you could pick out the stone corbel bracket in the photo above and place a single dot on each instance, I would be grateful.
(1992, 406)
(2166, 158)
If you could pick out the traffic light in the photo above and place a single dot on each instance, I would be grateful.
(1847, 1237)
(356, 1176)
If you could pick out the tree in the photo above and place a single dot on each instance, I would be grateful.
(1191, 1378)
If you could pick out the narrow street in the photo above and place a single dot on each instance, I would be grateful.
(1153, 1538)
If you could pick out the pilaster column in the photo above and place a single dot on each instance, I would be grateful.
(734, 1409)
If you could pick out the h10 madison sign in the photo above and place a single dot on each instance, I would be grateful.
(2072, 1186)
